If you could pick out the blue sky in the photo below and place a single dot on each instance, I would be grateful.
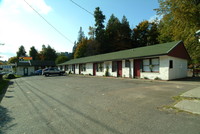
(20, 25)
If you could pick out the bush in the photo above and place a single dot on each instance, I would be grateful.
(107, 71)
(9, 76)
(157, 78)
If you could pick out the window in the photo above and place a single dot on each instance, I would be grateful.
(83, 67)
(99, 67)
(66, 67)
(127, 63)
(76, 66)
(151, 65)
(73, 67)
(171, 64)
(114, 66)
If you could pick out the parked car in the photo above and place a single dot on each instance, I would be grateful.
(38, 72)
(52, 71)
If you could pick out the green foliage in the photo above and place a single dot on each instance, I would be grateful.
(48, 53)
(81, 49)
(107, 72)
(145, 33)
(61, 59)
(21, 52)
(91, 33)
(180, 22)
(9, 76)
(99, 29)
(99, 26)
(12, 60)
(81, 35)
(33, 53)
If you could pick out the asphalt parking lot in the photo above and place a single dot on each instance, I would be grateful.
(94, 105)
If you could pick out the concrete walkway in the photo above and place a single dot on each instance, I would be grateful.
(191, 103)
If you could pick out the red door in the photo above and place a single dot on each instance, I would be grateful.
(119, 69)
(94, 69)
(137, 64)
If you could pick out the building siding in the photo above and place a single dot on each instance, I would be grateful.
(179, 69)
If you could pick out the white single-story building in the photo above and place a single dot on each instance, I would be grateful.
(26, 68)
(7, 68)
(162, 61)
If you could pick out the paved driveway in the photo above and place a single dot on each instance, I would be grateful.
(93, 105)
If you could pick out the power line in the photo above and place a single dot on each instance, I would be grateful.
(82, 7)
(48, 22)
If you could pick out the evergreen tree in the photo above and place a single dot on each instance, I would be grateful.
(99, 23)
(61, 59)
(21, 52)
(124, 35)
(33, 53)
(48, 53)
(112, 34)
(99, 29)
(81, 35)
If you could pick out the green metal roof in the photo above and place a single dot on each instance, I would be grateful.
(154, 50)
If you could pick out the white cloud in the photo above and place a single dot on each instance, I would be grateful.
(15, 28)
(18, 6)
(155, 17)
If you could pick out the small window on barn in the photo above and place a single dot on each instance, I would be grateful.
(127, 63)
(114, 66)
(171, 64)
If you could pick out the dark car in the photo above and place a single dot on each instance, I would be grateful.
(38, 72)
(52, 71)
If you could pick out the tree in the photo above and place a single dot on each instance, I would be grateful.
(99, 20)
(91, 32)
(99, 29)
(13, 60)
(74, 49)
(153, 34)
(125, 41)
(140, 34)
(48, 53)
(81, 49)
(180, 20)
(92, 47)
(33, 53)
(112, 34)
(145, 34)
(61, 59)
(21, 52)
(81, 35)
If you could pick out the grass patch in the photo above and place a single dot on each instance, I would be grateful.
(180, 98)
(173, 109)
(3, 84)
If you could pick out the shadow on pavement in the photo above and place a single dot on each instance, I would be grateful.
(189, 79)
(4, 119)
(2, 94)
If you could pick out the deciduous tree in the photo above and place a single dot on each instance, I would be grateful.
(61, 59)
(13, 60)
